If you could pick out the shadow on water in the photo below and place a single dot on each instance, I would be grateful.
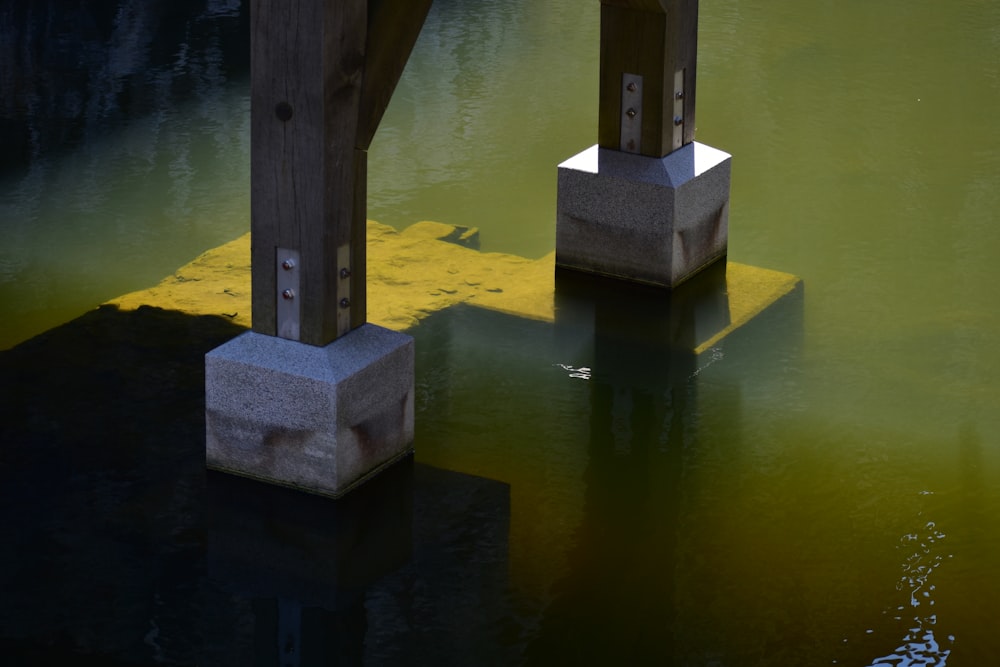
(102, 476)
(128, 552)
(601, 444)
(125, 135)
(124, 551)
(73, 74)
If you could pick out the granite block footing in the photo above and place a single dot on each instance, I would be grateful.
(649, 220)
(319, 419)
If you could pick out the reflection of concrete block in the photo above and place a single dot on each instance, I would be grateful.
(320, 419)
(651, 220)
(457, 583)
(270, 542)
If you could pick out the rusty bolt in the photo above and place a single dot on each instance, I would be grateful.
(288, 295)
(631, 87)
(678, 121)
(288, 264)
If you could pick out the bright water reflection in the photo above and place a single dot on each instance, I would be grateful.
(829, 500)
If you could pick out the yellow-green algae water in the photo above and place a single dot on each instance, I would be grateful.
(822, 490)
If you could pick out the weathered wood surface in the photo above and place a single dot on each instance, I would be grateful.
(393, 28)
(657, 40)
(645, 5)
(322, 74)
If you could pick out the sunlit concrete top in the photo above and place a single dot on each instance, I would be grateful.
(677, 168)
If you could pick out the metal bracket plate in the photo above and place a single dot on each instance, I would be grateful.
(677, 140)
(344, 289)
(631, 120)
(288, 298)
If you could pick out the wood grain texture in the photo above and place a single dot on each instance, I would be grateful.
(322, 75)
(633, 42)
(308, 57)
(644, 5)
(652, 40)
(393, 28)
(686, 53)
(358, 314)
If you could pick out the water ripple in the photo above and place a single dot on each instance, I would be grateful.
(919, 645)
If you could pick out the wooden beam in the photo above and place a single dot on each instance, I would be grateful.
(687, 60)
(654, 45)
(307, 67)
(393, 28)
(322, 75)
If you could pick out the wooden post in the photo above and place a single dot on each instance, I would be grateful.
(648, 204)
(648, 69)
(322, 74)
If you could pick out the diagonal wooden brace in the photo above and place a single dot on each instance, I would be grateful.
(648, 47)
(322, 76)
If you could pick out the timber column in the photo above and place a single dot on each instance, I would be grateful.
(647, 203)
(314, 397)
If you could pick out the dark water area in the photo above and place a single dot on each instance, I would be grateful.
(111, 112)
(819, 488)
(128, 552)
(74, 72)
(122, 550)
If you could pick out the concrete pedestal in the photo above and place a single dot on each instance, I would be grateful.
(649, 220)
(319, 419)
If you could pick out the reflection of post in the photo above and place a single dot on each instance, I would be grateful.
(289, 633)
(647, 89)
(298, 401)
(618, 594)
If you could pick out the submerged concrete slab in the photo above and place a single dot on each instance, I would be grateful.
(409, 280)
(649, 220)
(319, 419)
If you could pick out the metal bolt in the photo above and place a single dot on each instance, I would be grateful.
(288, 264)
(678, 121)
(345, 303)
(288, 294)
(679, 94)
(631, 113)
(632, 87)
(345, 273)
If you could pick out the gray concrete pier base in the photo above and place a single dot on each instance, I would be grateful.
(645, 219)
(318, 419)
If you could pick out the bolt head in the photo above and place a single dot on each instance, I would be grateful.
(288, 264)
(288, 294)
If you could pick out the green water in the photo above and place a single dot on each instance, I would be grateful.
(828, 499)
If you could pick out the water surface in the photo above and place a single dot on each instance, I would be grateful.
(821, 489)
